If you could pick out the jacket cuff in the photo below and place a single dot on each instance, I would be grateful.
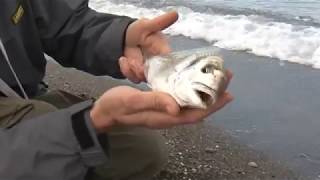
(92, 152)
(113, 38)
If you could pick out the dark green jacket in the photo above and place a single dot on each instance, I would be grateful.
(53, 146)
(68, 30)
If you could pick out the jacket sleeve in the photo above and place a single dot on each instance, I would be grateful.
(51, 147)
(77, 36)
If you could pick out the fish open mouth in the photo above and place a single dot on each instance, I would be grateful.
(206, 94)
(205, 97)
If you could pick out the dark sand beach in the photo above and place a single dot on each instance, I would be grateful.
(253, 128)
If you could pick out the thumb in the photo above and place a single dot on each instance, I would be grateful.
(154, 101)
(162, 22)
(126, 70)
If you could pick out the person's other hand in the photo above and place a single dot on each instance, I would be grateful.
(131, 107)
(144, 36)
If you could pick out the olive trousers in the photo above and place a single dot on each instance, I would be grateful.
(136, 153)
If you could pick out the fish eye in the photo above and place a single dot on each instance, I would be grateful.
(209, 68)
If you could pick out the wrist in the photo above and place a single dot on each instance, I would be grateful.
(101, 121)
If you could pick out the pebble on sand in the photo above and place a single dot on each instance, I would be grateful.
(253, 164)
(209, 150)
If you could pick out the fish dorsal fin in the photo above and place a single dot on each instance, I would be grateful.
(184, 62)
(184, 58)
(198, 52)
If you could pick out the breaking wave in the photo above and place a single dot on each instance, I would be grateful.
(252, 33)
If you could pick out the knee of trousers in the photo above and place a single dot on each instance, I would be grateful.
(135, 154)
(39, 108)
(154, 149)
(147, 150)
(13, 110)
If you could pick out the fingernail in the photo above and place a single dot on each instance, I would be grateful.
(122, 58)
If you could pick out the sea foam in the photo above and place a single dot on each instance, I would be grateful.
(252, 33)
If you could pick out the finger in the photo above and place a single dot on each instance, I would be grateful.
(162, 22)
(229, 74)
(222, 101)
(126, 70)
(226, 83)
(153, 101)
(159, 120)
(137, 69)
(195, 115)
(157, 44)
(134, 53)
(136, 61)
(150, 119)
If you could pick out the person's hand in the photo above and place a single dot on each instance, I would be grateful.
(144, 36)
(131, 107)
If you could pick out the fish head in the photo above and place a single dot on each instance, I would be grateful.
(200, 83)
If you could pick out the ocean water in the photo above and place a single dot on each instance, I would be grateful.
(288, 30)
(279, 114)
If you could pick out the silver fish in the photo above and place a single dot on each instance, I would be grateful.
(194, 78)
